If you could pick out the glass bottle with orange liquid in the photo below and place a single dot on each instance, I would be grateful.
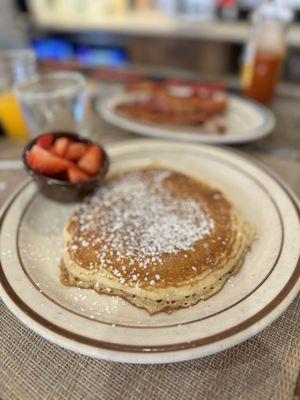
(16, 66)
(265, 51)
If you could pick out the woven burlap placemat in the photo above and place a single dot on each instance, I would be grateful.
(264, 367)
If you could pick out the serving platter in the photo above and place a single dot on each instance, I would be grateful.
(108, 327)
(245, 120)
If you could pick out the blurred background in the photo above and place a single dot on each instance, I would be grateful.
(205, 36)
(249, 47)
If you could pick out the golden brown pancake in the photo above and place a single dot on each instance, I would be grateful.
(156, 237)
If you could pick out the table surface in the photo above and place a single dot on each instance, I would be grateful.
(281, 152)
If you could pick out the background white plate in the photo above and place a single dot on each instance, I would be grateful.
(245, 120)
(108, 327)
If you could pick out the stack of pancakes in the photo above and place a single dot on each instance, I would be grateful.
(155, 237)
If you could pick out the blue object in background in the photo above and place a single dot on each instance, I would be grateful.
(53, 49)
(88, 56)
(108, 57)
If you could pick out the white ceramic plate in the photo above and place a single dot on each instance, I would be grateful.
(245, 121)
(108, 327)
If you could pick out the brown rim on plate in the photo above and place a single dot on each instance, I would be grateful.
(160, 348)
(171, 325)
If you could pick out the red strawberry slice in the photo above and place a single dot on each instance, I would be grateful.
(76, 151)
(61, 146)
(45, 141)
(91, 162)
(40, 160)
(75, 175)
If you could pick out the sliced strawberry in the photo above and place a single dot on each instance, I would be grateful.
(92, 160)
(61, 145)
(75, 175)
(76, 151)
(45, 141)
(51, 149)
(40, 160)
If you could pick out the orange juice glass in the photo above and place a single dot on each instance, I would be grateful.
(16, 67)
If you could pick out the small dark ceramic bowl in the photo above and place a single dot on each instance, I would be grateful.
(60, 190)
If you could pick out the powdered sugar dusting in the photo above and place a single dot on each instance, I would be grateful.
(139, 220)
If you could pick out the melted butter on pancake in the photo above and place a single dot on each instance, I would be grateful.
(153, 228)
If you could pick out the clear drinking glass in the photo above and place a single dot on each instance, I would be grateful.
(54, 102)
(16, 66)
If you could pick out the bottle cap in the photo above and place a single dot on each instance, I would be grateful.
(276, 10)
